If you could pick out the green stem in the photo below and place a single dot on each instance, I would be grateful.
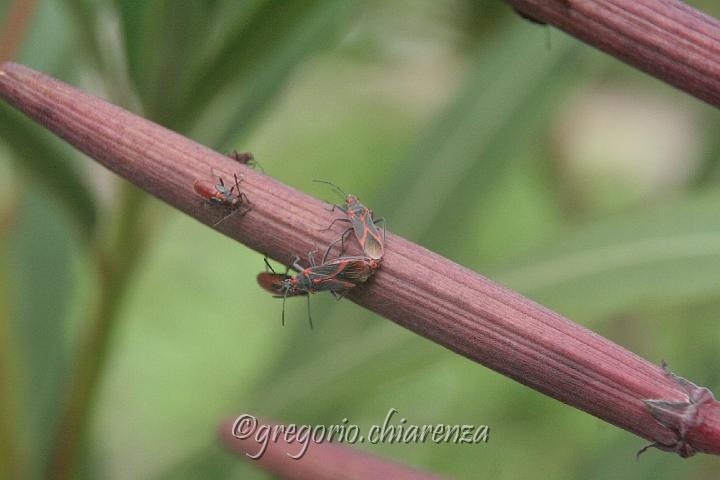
(83, 19)
(13, 456)
(115, 267)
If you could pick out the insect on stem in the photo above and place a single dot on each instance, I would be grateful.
(218, 195)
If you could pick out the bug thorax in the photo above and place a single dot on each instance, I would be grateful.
(288, 285)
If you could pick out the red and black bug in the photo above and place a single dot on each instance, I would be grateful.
(218, 194)
(336, 276)
(362, 223)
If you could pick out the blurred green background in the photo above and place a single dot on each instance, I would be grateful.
(506, 146)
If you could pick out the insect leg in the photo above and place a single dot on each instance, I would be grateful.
(338, 294)
(309, 314)
(342, 239)
(338, 219)
(283, 309)
(237, 185)
(225, 218)
(247, 209)
(342, 246)
(311, 257)
(242, 196)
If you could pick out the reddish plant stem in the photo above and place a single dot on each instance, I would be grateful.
(319, 461)
(666, 38)
(416, 288)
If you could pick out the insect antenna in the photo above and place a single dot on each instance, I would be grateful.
(337, 189)
(307, 297)
(287, 290)
(226, 217)
(268, 267)
(237, 184)
(215, 175)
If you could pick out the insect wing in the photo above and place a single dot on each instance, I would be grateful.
(323, 272)
(334, 285)
(357, 270)
(325, 277)
(367, 233)
(205, 189)
(372, 241)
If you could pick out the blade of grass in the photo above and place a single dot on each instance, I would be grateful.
(116, 264)
(42, 252)
(265, 49)
(160, 24)
(13, 455)
(502, 85)
(179, 34)
(83, 16)
(315, 31)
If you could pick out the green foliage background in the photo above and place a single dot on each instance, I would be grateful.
(465, 126)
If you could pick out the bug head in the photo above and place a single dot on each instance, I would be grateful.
(351, 200)
(271, 282)
(286, 286)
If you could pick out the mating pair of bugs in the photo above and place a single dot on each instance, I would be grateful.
(338, 275)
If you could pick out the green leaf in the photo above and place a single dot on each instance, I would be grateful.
(255, 60)
(315, 31)
(506, 97)
(42, 254)
(14, 447)
(177, 36)
(82, 16)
